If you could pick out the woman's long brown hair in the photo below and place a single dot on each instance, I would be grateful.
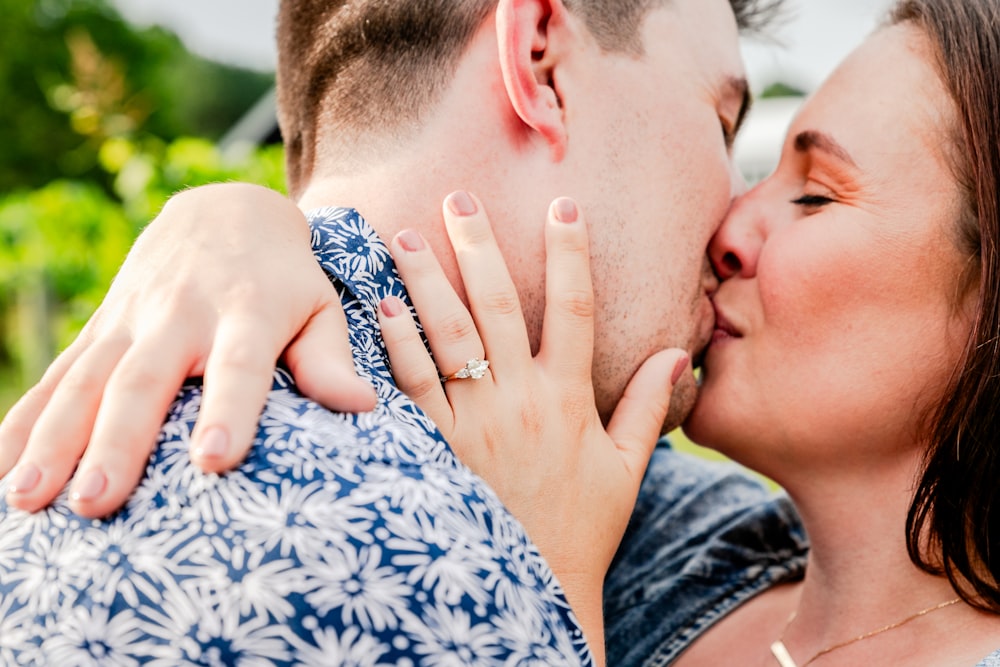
(953, 527)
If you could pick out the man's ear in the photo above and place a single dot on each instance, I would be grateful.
(530, 35)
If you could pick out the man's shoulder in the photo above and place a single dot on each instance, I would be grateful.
(350, 250)
(396, 430)
(357, 529)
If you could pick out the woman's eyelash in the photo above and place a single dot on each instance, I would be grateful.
(812, 200)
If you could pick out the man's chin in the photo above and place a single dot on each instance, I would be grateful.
(681, 402)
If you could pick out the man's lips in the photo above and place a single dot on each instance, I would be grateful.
(706, 330)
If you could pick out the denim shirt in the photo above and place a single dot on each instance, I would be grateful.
(705, 537)
(342, 539)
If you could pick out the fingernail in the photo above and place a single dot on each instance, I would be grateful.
(88, 487)
(25, 478)
(212, 444)
(565, 210)
(392, 306)
(682, 365)
(460, 203)
(410, 240)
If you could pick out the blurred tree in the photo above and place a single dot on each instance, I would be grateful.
(77, 61)
(95, 126)
(61, 245)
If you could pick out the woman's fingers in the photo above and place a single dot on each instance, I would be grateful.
(412, 368)
(134, 402)
(639, 417)
(15, 429)
(238, 376)
(533, 432)
(450, 328)
(567, 346)
(63, 428)
(177, 314)
(488, 287)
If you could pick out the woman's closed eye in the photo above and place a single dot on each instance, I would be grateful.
(812, 201)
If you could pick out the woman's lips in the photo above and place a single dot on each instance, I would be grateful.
(723, 328)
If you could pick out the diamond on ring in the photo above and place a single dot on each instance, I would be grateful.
(474, 370)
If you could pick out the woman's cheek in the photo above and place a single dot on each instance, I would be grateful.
(807, 288)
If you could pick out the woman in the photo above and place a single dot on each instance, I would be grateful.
(854, 353)
(854, 361)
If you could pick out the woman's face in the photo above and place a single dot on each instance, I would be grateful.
(840, 319)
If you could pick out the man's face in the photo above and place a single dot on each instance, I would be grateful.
(651, 162)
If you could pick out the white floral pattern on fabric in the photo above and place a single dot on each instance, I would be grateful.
(342, 540)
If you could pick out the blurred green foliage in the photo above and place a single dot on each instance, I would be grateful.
(96, 129)
(61, 244)
(72, 74)
(780, 89)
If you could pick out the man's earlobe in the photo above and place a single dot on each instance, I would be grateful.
(530, 35)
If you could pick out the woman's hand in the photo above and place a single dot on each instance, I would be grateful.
(530, 426)
(219, 285)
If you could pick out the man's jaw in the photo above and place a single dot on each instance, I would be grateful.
(705, 333)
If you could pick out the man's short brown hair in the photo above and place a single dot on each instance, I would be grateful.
(372, 67)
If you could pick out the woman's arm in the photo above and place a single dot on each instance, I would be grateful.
(530, 426)
(220, 285)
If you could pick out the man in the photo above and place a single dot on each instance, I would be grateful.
(316, 543)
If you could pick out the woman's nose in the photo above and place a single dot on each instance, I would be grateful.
(736, 245)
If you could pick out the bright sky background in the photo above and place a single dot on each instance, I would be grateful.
(817, 34)
(813, 38)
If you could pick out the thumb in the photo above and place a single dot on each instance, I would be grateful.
(638, 420)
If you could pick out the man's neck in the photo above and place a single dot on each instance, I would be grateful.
(473, 139)
(407, 190)
(397, 195)
(392, 196)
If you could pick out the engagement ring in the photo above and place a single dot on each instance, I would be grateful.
(474, 369)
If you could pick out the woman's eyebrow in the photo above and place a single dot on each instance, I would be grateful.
(821, 141)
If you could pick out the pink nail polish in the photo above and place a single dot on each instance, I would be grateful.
(25, 478)
(391, 306)
(565, 210)
(90, 486)
(682, 365)
(460, 203)
(410, 240)
(213, 443)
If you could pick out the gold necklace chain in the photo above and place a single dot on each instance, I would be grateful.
(784, 659)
